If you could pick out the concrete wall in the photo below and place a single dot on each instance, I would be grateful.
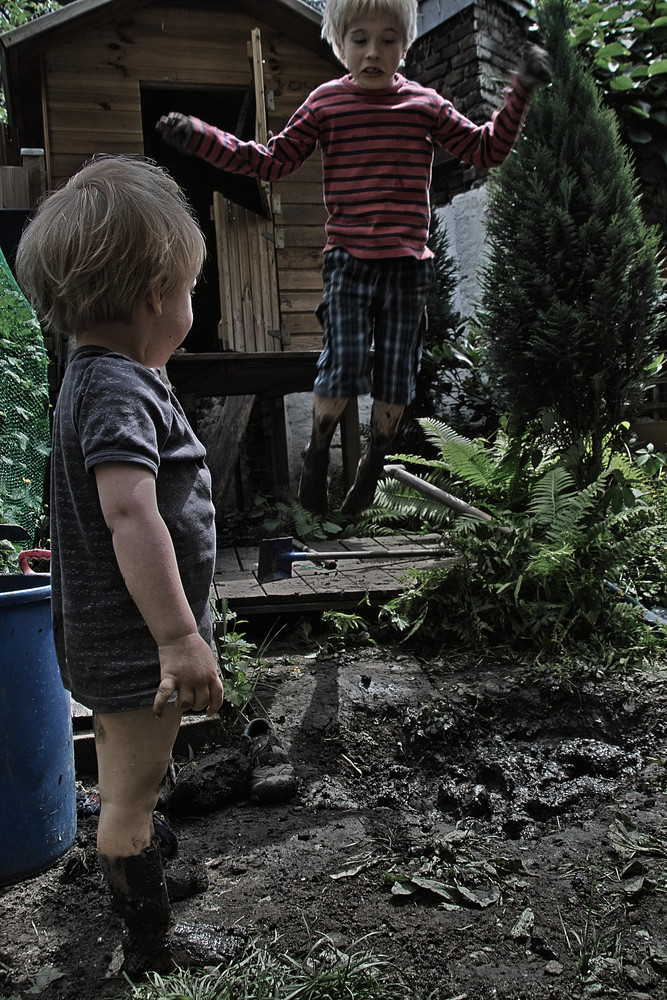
(464, 222)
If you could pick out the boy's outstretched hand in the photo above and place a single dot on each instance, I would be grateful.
(175, 129)
(535, 69)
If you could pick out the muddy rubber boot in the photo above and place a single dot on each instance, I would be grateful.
(314, 481)
(139, 893)
(385, 418)
(198, 944)
(154, 941)
(361, 493)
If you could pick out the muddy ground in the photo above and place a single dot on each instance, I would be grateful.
(500, 837)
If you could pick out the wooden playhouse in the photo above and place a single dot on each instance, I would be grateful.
(95, 76)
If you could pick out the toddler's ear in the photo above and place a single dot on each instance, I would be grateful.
(154, 301)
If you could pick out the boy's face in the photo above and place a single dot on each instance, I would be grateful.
(373, 49)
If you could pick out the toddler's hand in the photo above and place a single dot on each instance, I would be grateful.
(535, 70)
(188, 670)
(175, 129)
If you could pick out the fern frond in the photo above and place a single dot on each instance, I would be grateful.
(428, 463)
(559, 509)
(438, 433)
(550, 494)
(403, 503)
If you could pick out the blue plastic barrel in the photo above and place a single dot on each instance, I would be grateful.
(37, 791)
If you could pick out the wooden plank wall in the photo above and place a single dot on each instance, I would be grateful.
(299, 210)
(92, 99)
(250, 319)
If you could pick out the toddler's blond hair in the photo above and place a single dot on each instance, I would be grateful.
(118, 229)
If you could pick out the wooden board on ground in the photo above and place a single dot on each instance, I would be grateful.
(314, 586)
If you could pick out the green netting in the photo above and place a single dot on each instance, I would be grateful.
(24, 407)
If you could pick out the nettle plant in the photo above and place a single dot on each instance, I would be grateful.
(534, 575)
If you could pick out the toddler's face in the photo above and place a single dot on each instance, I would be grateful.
(174, 322)
(373, 49)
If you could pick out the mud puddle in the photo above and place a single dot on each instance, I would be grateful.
(500, 839)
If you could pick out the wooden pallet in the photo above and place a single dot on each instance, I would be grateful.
(314, 587)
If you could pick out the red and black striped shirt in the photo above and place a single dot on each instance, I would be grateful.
(377, 156)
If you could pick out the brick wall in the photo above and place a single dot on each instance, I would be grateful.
(467, 59)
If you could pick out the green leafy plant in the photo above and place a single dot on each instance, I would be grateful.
(635, 867)
(625, 44)
(8, 557)
(496, 472)
(346, 628)
(285, 516)
(340, 630)
(540, 584)
(239, 660)
(458, 871)
(24, 404)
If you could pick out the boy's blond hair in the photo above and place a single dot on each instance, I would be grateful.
(339, 13)
(119, 228)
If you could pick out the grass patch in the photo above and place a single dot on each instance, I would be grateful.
(323, 973)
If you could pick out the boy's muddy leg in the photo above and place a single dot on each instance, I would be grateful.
(385, 418)
(314, 482)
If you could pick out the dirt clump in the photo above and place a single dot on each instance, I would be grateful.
(500, 838)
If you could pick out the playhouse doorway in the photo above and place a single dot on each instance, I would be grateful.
(234, 111)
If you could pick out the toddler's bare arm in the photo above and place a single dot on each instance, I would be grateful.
(147, 561)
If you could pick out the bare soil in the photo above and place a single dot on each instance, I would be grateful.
(500, 837)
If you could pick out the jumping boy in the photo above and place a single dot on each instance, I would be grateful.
(376, 132)
(112, 258)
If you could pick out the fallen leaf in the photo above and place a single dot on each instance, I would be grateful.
(45, 976)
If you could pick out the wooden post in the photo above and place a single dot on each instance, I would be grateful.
(223, 443)
(350, 442)
(34, 163)
(279, 441)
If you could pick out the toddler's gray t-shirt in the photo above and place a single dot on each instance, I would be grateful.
(113, 409)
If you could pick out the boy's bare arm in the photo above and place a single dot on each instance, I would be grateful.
(147, 561)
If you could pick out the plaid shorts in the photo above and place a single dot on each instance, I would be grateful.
(369, 304)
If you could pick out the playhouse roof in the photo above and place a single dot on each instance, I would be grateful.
(83, 13)
(20, 48)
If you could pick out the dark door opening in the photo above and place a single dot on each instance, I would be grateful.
(233, 111)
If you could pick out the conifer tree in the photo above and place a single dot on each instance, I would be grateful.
(570, 305)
